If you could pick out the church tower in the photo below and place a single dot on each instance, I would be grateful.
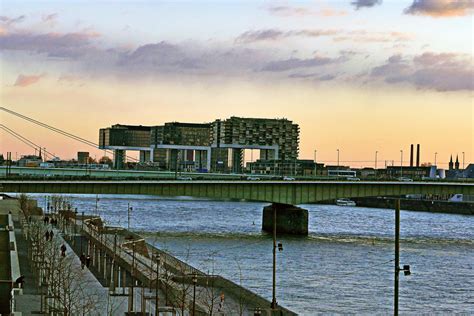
(451, 164)
(456, 165)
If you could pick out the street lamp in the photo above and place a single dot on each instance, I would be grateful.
(194, 293)
(274, 303)
(436, 154)
(158, 259)
(463, 155)
(406, 268)
(315, 164)
(129, 210)
(401, 163)
(375, 170)
(337, 159)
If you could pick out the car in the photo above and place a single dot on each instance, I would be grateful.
(253, 178)
(183, 178)
(405, 179)
(352, 179)
(288, 179)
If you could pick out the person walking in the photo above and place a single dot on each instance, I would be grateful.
(46, 235)
(63, 250)
(83, 260)
(88, 261)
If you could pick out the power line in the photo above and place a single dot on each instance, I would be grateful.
(26, 141)
(57, 130)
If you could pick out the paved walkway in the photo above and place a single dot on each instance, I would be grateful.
(30, 302)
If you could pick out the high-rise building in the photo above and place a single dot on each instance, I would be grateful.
(216, 146)
(82, 157)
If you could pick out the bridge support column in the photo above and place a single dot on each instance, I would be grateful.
(290, 219)
(108, 270)
(115, 274)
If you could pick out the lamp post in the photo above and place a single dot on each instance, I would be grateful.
(274, 301)
(337, 159)
(128, 212)
(463, 155)
(194, 293)
(158, 257)
(375, 170)
(401, 163)
(82, 228)
(436, 154)
(406, 268)
(315, 164)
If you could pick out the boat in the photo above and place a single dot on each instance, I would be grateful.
(345, 202)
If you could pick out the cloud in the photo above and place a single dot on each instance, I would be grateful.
(50, 19)
(260, 35)
(365, 3)
(374, 37)
(358, 36)
(53, 44)
(294, 63)
(287, 11)
(441, 72)
(441, 8)
(10, 21)
(26, 80)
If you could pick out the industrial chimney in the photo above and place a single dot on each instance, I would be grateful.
(411, 155)
(418, 155)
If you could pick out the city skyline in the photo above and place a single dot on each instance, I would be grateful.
(361, 76)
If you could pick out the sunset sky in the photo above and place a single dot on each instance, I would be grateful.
(356, 75)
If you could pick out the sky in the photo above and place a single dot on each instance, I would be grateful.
(357, 75)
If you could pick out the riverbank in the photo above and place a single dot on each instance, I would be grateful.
(433, 206)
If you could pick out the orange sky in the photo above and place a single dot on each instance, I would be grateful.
(358, 76)
(357, 121)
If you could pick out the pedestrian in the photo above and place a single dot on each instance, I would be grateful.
(220, 308)
(46, 220)
(51, 235)
(88, 261)
(83, 260)
(20, 281)
(46, 235)
(63, 250)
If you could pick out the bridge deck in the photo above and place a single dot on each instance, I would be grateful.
(287, 192)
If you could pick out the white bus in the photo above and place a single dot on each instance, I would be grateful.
(342, 173)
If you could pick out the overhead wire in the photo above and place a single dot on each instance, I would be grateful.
(59, 131)
(26, 141)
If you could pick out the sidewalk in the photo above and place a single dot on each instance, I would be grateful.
(30, 302)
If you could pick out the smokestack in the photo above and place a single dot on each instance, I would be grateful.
(418, 155)
(411, 155)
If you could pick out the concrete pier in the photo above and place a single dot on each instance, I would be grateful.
(290, 219)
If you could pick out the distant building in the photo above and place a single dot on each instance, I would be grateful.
(216, 146)
(283, 167)
(410, 172)
(467, 173)
(30, 161)
(82, 157)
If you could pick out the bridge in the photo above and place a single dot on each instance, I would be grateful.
(283, 195)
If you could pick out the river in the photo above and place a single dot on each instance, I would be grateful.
(344, 266)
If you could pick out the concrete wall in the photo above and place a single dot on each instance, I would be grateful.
(464, 208)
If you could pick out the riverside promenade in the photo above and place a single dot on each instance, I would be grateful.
(123, 276)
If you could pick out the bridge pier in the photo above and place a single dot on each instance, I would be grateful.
(108, 270)
(290, 219)
(115, 274)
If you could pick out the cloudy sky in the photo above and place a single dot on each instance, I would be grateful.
(358, 75)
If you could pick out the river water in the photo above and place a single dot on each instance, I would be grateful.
(344, 266)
